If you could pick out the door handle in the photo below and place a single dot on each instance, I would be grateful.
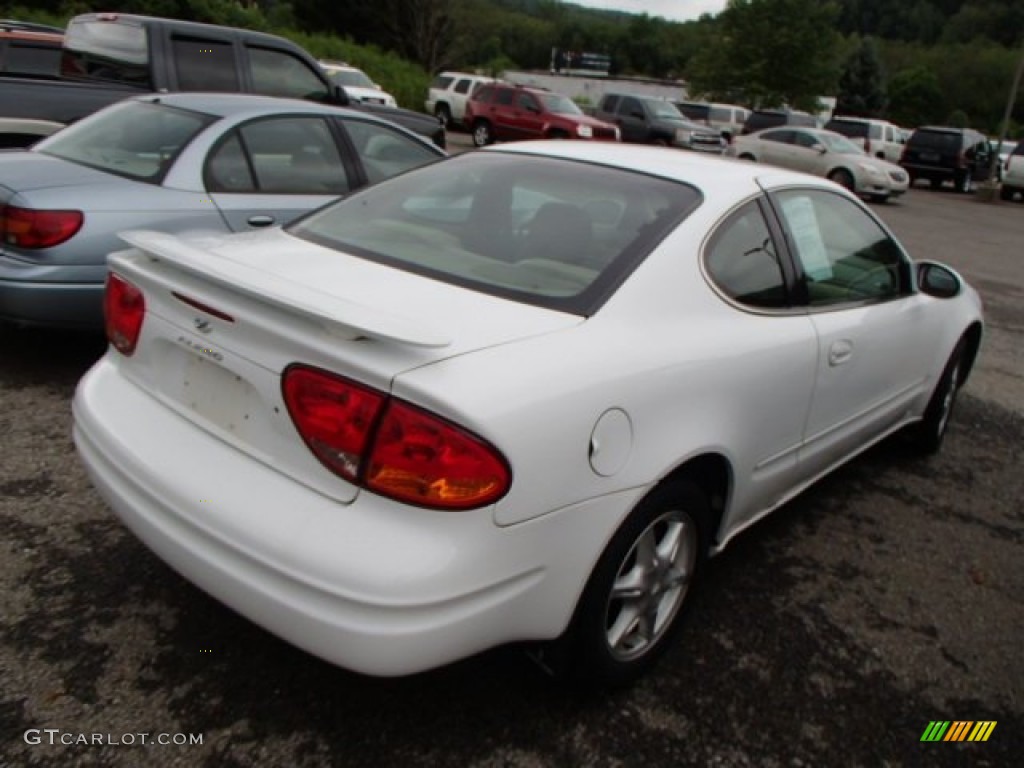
(260, 221)
(840, 352)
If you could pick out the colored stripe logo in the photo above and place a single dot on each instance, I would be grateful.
(958, 730)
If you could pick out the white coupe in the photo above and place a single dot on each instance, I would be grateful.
(517, 395)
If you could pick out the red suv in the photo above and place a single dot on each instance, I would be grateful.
(504, 112)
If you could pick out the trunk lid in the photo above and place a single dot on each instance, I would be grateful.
(26, 170)
(226, 316)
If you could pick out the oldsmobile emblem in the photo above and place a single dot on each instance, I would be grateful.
(202, 324)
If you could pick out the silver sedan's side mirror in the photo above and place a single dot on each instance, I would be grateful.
(937, 280)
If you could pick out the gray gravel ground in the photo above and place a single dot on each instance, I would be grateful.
(888, 596)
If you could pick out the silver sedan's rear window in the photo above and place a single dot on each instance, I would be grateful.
(557, 233)
(133, 139)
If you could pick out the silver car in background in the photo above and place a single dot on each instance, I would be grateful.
(823, 153)
(212, 163)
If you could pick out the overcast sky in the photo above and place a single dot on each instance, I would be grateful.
(675, 10)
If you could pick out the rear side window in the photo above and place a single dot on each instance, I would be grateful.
(484, 94)
(441, 82)
(204, 65)
(742, 262)
(463, 86)
(287, 155)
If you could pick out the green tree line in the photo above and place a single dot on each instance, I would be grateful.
(913, 61)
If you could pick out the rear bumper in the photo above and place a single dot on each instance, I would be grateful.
(373, 586)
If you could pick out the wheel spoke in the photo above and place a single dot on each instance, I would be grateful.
(629, 586)
(624, 626)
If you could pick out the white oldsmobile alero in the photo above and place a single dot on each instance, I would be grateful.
(517, 395)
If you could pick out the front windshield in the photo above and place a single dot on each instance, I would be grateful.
(839, 144)
(555, 233)
(563, 105)
(353, 77)
(664, 109)
(135, 139)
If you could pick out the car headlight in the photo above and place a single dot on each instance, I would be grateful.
(584, 131)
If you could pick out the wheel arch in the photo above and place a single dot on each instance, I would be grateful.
(972, 344)
(713, 474)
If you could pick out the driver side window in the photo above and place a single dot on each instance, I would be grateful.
(844, 255)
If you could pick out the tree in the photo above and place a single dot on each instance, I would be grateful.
(917, 98)
(770, 53)
(862, 88)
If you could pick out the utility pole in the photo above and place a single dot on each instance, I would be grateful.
(991, 183)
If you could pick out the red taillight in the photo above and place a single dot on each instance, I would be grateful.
(334, 416)
(124, 308)
(424, 460)
(391, 447)
(29, 228)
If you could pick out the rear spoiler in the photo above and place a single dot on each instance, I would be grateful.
(340, 316)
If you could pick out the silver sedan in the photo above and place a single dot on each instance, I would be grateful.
(212, 163)
(824, 153)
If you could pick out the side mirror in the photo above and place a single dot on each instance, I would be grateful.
(937, 280)
(340, 97)
(822, 149)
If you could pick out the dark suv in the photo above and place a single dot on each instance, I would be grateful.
(506, 112)
(770, 118)
(940, 153)
(647, 120)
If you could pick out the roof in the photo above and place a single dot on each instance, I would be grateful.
(714, 173)
(222, 104)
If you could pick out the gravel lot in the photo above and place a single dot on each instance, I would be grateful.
(831, 634)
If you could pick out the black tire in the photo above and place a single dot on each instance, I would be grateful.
(878, 198)
(748, 156)
(1006, 193)
(930, 432)
(655, 558)
(482, 135)
(444, 114)
(843, 178)
(935, 182)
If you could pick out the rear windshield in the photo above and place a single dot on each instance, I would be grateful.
(111, 51)
(555, 233)
(938, 140)
(132, 139)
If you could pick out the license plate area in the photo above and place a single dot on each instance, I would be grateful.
(930, 157)
(217, 395)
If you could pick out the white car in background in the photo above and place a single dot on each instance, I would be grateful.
(357, 84)
(516, 395)
(823, 153)
(1013, 173)
(448, 94)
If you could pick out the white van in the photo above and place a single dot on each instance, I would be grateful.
(878, 137)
